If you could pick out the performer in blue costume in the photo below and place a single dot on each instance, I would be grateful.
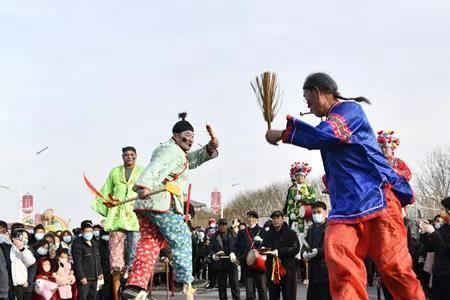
(366, 194)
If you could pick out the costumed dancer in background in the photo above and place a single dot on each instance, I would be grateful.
(366, 194)
(120, 221)
(389, 143)
(300, 194)
(161, 215)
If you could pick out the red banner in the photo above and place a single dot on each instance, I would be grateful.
(27, 204)
(215, 201)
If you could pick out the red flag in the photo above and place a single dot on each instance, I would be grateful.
(92, 188)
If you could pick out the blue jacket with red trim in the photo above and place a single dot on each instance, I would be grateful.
(356, 169)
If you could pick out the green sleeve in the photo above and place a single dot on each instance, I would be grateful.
(164, 160)
(198, 157)
(312, 194)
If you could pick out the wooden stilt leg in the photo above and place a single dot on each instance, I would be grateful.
(166, 267)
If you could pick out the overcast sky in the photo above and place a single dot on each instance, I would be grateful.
(89, 77)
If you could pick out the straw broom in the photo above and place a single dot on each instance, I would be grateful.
(268, 95)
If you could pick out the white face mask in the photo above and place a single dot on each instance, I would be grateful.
(4, 239)
(42, 251)
(39, 236)
(105, 238)
(437, 225)
(318, 218)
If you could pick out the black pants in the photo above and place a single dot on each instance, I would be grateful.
(318, 291)
(87, 291)
(199, 269)
(212, 277)
(253, 280)
(287, 288)
(232, 274)
(19, 292)
(440, 289)
(106, 290)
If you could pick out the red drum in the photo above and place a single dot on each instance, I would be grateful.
(305, 212)
(256, 260)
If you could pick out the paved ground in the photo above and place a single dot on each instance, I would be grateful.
(214, 295)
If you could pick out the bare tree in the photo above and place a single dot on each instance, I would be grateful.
(432, 181)
(266, 200)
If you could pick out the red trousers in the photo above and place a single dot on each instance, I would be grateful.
(147, 252)
(384, 239)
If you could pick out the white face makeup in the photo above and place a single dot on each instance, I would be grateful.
(184, 139)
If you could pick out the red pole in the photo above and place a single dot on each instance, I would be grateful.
(188, 203)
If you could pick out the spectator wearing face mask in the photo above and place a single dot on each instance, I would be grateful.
(76, 232)
(18, 259)
(57, 242)
(267, 225)
(31, 269)
(64, 276)
(209, 232)
(105, 292)
(66, 239)
(438, 241)
(97, 230)
(15, 226)
(429, 256)
(46, 287)
(38, 233)
(86, 262)
(42, 249)
(313, 253)
(4, 234)
(4, 280)
(202, 261)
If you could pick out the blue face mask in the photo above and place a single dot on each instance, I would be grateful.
(318, 218)
(67, 239)
(96, 233)
(39, 236)
(88, 236)
(4, 239)
(105, 238)
(42, 251)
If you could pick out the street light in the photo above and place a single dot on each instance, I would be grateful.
(222, 198)
(42, 150)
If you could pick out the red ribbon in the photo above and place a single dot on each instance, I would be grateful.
(278, 271)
